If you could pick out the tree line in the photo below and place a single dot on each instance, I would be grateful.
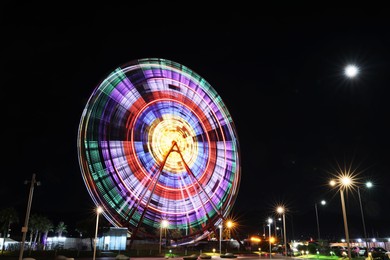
(39, 227)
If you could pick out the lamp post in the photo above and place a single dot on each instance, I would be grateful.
(323, 202)
(282, 210)
(220, 238)
(25, 227)
(368, 185)
(344, 182)
(269, 236)
(229, 225)
(164, 224)
(98, 211)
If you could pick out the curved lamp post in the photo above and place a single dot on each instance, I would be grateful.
(282, 210)
(98, 211)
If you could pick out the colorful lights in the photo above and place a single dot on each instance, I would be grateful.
(156, 142)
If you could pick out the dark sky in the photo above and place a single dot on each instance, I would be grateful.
(278, 69)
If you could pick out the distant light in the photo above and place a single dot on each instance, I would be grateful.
(332, 183)
(269, 220)
(359, 240)
(255, 239)
(343, 240)
(323, 202)
(351, 71)
(373, 240)
(369, 184)
(280, 210)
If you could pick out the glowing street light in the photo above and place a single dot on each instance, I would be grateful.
(282, 210)
(344, 182)
(229, 225)
(164, 224)
(98, 211)
(323, 202)
(269, 236)
(368, 185)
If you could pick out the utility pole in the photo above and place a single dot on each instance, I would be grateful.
(25, 227)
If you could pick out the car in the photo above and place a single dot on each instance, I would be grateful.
(204, 256)
(122, 257)
(190, 257)
(359, 251)
(228, 255)
(379, 252)
(339, 250)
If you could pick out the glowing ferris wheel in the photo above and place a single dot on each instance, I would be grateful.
(156, 142)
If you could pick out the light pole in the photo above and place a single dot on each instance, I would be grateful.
(163, 224)
(229, 225)
(220, 238)
(368, 185)
(344, 182)
(269, 236)
(282, 210)
(25, 227)
(323, 202)
(98, 211)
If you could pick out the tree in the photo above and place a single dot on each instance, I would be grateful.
(61, 228)
(45, 226)
(7, 217)
(86, 228)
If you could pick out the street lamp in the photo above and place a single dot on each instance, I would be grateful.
(345, 181)
(269, 236)
(323, 202)
(164, 224)
(98, 211)
(368, 185)
(229, 225)
(220, 238)
(25, 227)
(282, 210)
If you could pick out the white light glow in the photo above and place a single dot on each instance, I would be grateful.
(351, 71)
(346, 181)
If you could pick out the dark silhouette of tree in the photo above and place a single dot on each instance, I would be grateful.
(7, 217)
(61, 228)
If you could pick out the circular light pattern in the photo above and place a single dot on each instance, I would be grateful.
(155, 143)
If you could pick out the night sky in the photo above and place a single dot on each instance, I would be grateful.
(278, 69)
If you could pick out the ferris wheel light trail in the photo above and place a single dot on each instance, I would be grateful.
(155, 141)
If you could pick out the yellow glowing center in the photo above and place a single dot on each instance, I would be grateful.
(167, 132)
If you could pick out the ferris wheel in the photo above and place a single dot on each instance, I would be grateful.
(156, 142)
